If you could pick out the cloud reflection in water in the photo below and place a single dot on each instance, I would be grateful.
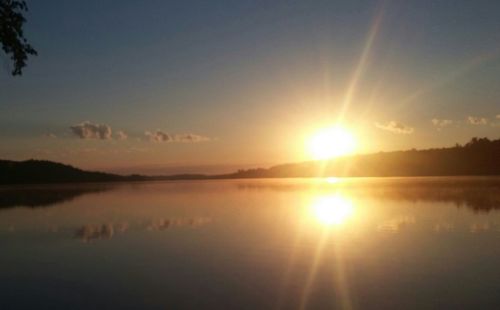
(93, 232)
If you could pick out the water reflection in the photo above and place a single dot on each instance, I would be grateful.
(260, 244)
(477, 194)
(47, 195)
(163, 224)
(93, 232)
(480, 194)
(397, 224)
(332, 209)
(333, 180)
(89, 232)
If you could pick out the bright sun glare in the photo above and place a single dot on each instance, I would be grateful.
(332, 142)
(332, 210)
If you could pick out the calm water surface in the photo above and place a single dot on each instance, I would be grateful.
(415, 243)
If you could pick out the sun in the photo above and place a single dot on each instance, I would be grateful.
(332, 142)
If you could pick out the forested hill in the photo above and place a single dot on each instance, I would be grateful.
(41, 171)
(480, 156)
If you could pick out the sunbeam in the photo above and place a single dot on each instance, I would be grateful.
(317, 257)
(450, 77)
(289, 267)
(360, 67)
(329, 211)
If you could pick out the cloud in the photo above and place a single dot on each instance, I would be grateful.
(87, 130)
(395, 127)
(189, 137)
(160, 136)
(50, 135)
(441, 122)
(120, 135)
(473, 120)
(496, 123)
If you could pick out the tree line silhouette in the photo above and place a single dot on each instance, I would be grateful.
(480, 156)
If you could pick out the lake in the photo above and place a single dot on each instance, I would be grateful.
(393, 243)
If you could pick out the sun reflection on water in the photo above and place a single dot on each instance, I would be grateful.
(332, 209)
(332, 180)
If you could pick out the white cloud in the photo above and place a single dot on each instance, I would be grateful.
(190, 137)
(120, 135)
(395, 127)
(441, 122)
(50, 135)
(160, 136)
(88, 130)
(473, 120)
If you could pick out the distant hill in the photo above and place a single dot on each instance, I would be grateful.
(41, 171)
(480, 156)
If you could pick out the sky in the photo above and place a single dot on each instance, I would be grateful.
(211, 86)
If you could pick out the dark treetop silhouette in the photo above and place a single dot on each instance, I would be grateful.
(12, 35)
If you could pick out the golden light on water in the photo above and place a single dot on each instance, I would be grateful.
(332, 180)
(332, 142)
(332, 210)
(328, 210)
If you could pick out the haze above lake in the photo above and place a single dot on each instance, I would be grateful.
(393, 243)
